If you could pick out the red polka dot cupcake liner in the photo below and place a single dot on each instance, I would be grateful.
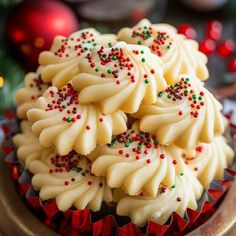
(75, 222)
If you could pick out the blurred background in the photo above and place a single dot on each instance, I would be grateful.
(28, 27)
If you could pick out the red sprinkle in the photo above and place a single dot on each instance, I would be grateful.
(174, 162)
(162, 156)
(121, 152)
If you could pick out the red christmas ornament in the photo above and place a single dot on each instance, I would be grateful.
(137, 14)
(33, 24)
(207, 46)
(187, 30)
(214, 29)
(232, 65)
(226, 48)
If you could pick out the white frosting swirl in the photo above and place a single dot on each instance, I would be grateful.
(61, 122)
(178, 54)
(119, 77)
(135, 162)
(68, 180)
(27, 143)
(142, 209)
(61, 63)
(208, 161)
(185, 114)
(26, 97)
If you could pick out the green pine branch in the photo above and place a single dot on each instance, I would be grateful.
(13, 79)
(7, 3)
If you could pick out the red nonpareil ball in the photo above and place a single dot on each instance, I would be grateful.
(214, 30)
(232, 65)
(207, 46)
(226, 48)
(33, 24)
(187, 30)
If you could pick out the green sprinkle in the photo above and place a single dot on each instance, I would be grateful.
(194, 96)
(169, 96)
(146, 81)
(172, 87)
(160, 94)
(121, 64)
(114, 58)
(139, 147)
(155, 142)
(89, 41)
(200, 98)
(131, 140)
(182, 174)
(97, 69)
(185, 91)
(109, 44)
(173, 186)
(143, 60)
(109, 71)
(85, 48)
(126, 145)
(116, 71)
(94, 44)
(74, 168)
(142, 52)
(69, 119)
(187, 79)
(139, 42)
(141, 136)
(63, 106)
(168, 47)
(186, 82)
(117, 49)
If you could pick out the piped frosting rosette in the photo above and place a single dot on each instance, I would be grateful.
(208, 161)
(119, 77)
(178, 54)
(27, 96)
(184, 194)
(184, 115)
(61, 63)
(68, 180)
(136, 162)
(27, 143)
(62, 122)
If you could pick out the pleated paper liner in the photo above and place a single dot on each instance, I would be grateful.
(75, 222)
